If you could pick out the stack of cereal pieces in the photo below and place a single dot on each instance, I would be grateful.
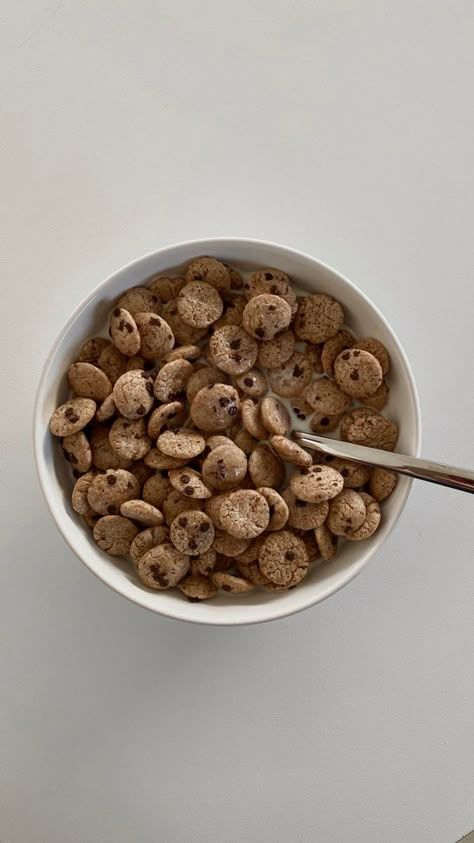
(179, 431)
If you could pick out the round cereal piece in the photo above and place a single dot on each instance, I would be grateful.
(300, 407)
(197, 588)
(232, 350)
(106, 410)
(189, 483)
(357, 372)
(236, 280)
(161, 462)
(156, 335)
(80, 503)
(175, 503)
(215, 440)
(165, 288)
(251, 570)
(72, 416)
(192, 532)
(133, 394)
(252, 418)
(215, 407)
(318, 319)
(228, 545)
(332, 348)
(277, 351)
(303, 515)
(224, 467)
(320, 423)
(129, 438)
(162, 567)
(327, 398)
(203, 565)
(205, 376)
(136, 361)
(283, 558)
(364, 426)
(265, 316)
(183, 444)
(253, 383)
(155, 489)
(233, 311)
(170, 382)
(143, 512)
(275, 417)
(212, 508)
(77, 451)
(167, 415)
(112, 362)
(246, 442)
(371, 522)
(346, 513)
(354, 474)
(376, 348)
(271, 281)
(91, 350)
(378, 400)
(278, 508)
(265, 468)
(382, 483)
(290, 451)
(90, 519)
(231, 583)
(245, 514)
(199, 304)
(114, 534)
(124, 331)
(184, 334)
(88, 381)
(313, 353)
(327, 542)
(107, 492)
(183, 352)
(103, 455)
(317, 483)
(309, 539)
(251, 552)
(291, 377)
(146, 539)
(141, 471)
(210, 270)
(139, 300)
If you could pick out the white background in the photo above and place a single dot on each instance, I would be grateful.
(341, 127)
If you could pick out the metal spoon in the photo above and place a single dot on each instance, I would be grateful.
(434, 472)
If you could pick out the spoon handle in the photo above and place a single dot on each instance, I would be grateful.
(433, 472)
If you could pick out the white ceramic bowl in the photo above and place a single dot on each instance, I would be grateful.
(90, 318)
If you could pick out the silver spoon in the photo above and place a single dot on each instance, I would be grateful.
(434, 472)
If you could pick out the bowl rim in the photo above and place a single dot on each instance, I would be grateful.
(271, 611)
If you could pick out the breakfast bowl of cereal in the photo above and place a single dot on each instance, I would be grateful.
(164, 430)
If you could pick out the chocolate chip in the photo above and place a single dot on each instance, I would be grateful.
(141, 410)
(111, 509)
(237, 358)
(316, 469)
(111, 479)
(71, 415)
(185, 478)
(273, 288)
(324, 421)
(232, 410)
(149, 388)
(260, 332)
(344, 472)
(356, 353)
(346, 355)
(248, 381)
(268, 276)
(226, 587)
(183, 522)
(272, 307)
(297, 371)
(204, 527)
(246, 286)
(192, 544)
(289, 555)
(235, 344)
(354, 375)
(224, 402)
(160, 578)
(189, 491)
(155, 320)
(304, 471)
(69, 457)
(299, 503)
(117, 312)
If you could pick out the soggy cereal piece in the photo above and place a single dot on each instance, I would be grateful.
(364, 426)
(232, 314)
(143, 512)
(228, 545)
(277, 351)
(80, 503)
(327, 542)
(283, 558)
(204, 564)
(244, 514)
(354, 474)
(319, 318)
(265, 316)
(112, 362)
(275, 417)
(77, 451)
(271, 281)
(212, 271)
(212, 508)
(327, 398)
(108, 491)
(199, 304)
(155, 489)
(146, 539)
(382, 483)
(378, 400)
(277, 506)
(332, 348)
(253, 383)
(163, 567)
(183, 444)
(124, 332)
(89, 381)
(184, 334)
(376, 348)
(300, 407)
(231, 583)
(156, 335)
(371, 522)
(215, 407)
(103, 455)
(252, 419)
(167, 415)
(175, 503)
(246, 442)
(232, 350)
(133, 394)
(106, 410)
(129, 438)
(346, 513)
(162, 462)
(192, 532)
(291, 377)
(183, 352)
(321, 423)
(205, 376)
(139, 300)
(357, 372)
(303, 515)
(91, 350)
(224, 467)
(290, 451)
(114, 534)
(72, 416)
(317, 483)
(189, 483)
(197, 588)
(165, 287)
(265, 468)
(313, 353)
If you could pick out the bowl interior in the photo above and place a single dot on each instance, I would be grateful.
(90, 319)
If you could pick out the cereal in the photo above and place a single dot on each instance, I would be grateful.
(228, 545)
(162, 462)
(189, 483)
(364, 426)
(205, 376)
(80, 503)
(141, 471)
(265, 316)
(91, 350)
(183, 352)
(275, 417)
(192, 532)
(77, 451)
(315, 484)
(271, 281)
(251, 570)
(322, 423)
(136, 361)
(230, 583)
(146, 539)
(176, 503)
(182, 444)
(88, 381)
(252, 419)
(283, 558)
(212, 508)
(103, 455)
(291, 377)
(129, 438)
(170, 382)
(376, 348)
(197, 588)
(382, 483)
(354, 474)
(303, 515)
(214, 407)
(204, 564)
(318, 319)
(124, 332)
(183, 333)
(232, 314)
(112, 362)
(72, 416)
(199, 304)
(277, 351)
(224, 467)
(378, 400)
(313, 353)
(107, 410)
(346, 513)
(371, 522)
(133, 394)
(139, 300)
(167, 415)
(278, 508)
(244, 514)
(332, 348)
(165, 288)
(107, 492)
(290, 451)
(143, 512)
(327, 398)
(327, 542)
(156, 335)
(162, 567)
(233, 350)
(253, 383)
(114, 534)
(246, 442)
(210, 270)
(155, 489)
(358, 372)
(265, 468)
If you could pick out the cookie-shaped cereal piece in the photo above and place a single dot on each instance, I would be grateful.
(251, 552)
(327, 542)
(107, 492)
(103, 455)
(139, 300)
(252, 418)
(275, 417)
(278, 508)
(215, 407)
(227, 545)
(215, 441)
(165, 287)
(106, 410)
(224, 467)
(382, 483)
(236, 280)
(291, 377)
(321, 423)
(167, 415)
(183, 352)
(290, 451)
(141, 471)
(205, 376)
(371, 522)
(346, 513)
(183, 444)
(354, 474)
(303, 515)
(199, 304)
(246, 442)
(253, 383)
(327, 398)
(155, 489)
(364, 426)
(124, 332)
(318, 319)
(133, 394)
(378, 399)
(277, 351)
(162, 462)
(143, 512)
(232, 584)
(77, 451)
(170, 382)
(192, 532)
(300, 407)
(197, 588)
(212, 508)
(332, 348)
(265, 316)
(357, 372)
(90, 519)
(175, 503)
(91, 350)
(114, 534)
(232, 314)
(129, 438)
(317, 483)
(72, 416)
(271, 281)
(80, 503)
(156, 335)
(210, 270)
(232, 350)
(146, 539)
(136, 361)
(112, 362)
(283, 558)
(184, 334)
(162, 567)
(189, 483)
(265, 468)
(251, 570)
(89, 381)
(204, 564)
(245, 514)
(376, 348)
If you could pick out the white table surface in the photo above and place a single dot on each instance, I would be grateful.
(345, 129)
